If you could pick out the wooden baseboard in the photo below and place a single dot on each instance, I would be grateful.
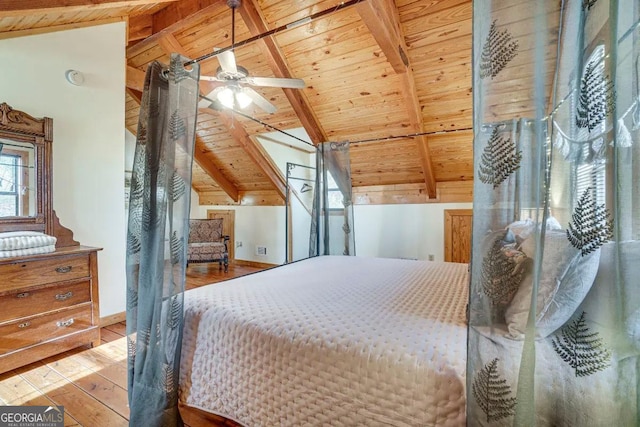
(254, 263)
(113, 319)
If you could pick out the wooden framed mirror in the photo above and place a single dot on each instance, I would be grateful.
(26, 175)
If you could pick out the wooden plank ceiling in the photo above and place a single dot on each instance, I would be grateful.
(379, 70)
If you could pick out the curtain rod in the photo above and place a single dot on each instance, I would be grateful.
(409, 135)
(385, 138)
(240, 113)
(302, 21)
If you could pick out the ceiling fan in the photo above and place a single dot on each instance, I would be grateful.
(233, 92)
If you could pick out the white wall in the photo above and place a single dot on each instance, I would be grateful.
(262, 225)
(129, 150)
(88, 129)
(387, 231)
(282, 154)
(402, 231)
(254, 226)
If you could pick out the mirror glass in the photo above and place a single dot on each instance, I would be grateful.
(18, 181)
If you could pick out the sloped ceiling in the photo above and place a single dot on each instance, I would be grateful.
(392, 77)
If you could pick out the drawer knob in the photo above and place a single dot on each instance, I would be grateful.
(65, 323)
(22, 295)
(24, 325)
(65, 269)
(62, 297)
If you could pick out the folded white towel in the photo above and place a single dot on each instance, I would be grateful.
(16, 240)
(28, 251)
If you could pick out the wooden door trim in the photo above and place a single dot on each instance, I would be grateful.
(448, 229)
(232, 227)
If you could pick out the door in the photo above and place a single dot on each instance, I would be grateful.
(457, 235)
(228, 227)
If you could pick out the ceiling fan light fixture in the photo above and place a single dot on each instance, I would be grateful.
(225, 96)
(243, 99)
(233, 93)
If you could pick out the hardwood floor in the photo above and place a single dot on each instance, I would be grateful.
(91, 383)
(204, 274)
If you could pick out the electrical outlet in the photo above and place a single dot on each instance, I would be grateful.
(239, 244)
(261, 250)
(431, 257)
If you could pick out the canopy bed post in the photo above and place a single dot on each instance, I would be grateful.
(328, 237)
(157, 240)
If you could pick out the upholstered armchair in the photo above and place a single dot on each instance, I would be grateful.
(207, 243)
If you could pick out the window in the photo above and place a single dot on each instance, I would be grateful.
(590, 171)
(9, 185)
(17, 176)
(334, 194)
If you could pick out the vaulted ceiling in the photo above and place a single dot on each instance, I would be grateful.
(378, 72)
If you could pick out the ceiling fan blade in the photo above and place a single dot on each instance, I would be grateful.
(213, 96)
(259, 100)
(275, 82)
(227, 61)
(211, 79)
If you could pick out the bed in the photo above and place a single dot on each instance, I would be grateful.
(330, 340)
(600, 387)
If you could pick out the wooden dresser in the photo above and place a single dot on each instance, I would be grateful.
(48, 304)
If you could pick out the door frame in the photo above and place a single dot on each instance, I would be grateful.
(448, 230)
(231, 214)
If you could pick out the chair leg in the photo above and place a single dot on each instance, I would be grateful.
(226, 263)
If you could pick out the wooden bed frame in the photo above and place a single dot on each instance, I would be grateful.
(198, 418)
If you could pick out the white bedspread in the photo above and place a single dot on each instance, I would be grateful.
(343, 341)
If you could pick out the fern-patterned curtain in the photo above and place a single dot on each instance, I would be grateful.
(554, 310)
(332, 230)
(156, 250)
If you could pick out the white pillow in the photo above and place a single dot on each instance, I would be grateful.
(565, 279)
(603, 305)
(522, 228)
(526, 227)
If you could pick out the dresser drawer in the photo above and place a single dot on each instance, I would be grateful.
(33, 330)
(23, 274)
(29, 302)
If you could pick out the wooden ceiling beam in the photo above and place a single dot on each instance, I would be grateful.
(135, 78)
(252, 17)
(179, 11)
(173, 18)
(34, 7)
(255, 151)
(200, 157)
(169, 44)
(255, 22)
(382, 20)
(62, 27)
(140, 27)
(380, 16)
